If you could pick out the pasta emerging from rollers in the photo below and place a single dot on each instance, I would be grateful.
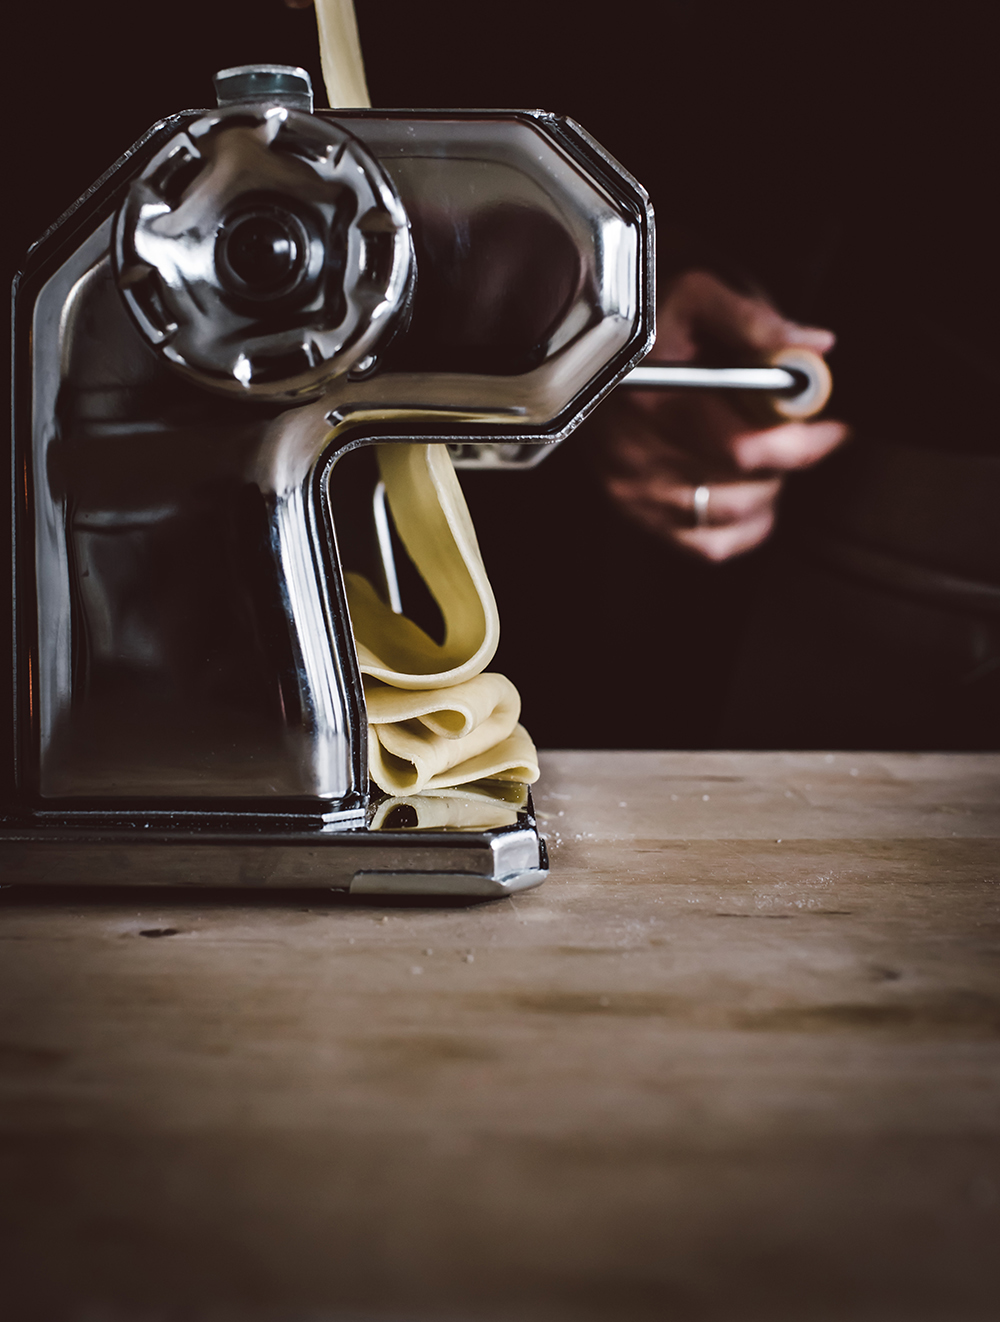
(436, 718)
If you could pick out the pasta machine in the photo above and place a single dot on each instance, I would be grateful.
(247, 295)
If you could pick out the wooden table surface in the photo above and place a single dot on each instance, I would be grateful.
(737, 1059)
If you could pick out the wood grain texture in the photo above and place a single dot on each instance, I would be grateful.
(699, 1074)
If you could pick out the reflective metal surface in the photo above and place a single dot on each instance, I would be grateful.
(686, 376)
(795, 385)
(183, 652)
(477, 862)
(263, 252)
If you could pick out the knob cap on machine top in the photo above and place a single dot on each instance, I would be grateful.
(284, 83)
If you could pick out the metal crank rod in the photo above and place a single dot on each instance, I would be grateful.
(684, 376)
(796, 384)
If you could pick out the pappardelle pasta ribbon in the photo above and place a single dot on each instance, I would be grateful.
(435, 719)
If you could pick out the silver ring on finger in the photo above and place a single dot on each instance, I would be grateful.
(700, 504)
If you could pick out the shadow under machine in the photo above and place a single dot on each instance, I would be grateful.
(247, 295)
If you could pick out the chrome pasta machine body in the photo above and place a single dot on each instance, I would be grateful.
(248, 294)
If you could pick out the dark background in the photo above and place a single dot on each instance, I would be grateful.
(838, 155)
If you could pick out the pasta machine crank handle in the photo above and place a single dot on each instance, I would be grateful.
(796, 384)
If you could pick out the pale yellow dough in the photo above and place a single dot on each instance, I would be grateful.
(471, 807)
(435, 719)
(340, 54)
(433, 522)
(437, 738)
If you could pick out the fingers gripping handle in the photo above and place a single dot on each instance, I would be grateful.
(794, 384)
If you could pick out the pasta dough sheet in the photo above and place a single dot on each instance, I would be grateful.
(469, 808)
(433, 522)
(340, 54)
(435, 719)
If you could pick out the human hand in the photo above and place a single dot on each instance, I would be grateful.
(691, 468)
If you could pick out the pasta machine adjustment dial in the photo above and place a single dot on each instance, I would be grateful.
(263, 252)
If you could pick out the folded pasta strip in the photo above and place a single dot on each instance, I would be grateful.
(433, 522)
(436, 717)
(482, 806)
(436, 720)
